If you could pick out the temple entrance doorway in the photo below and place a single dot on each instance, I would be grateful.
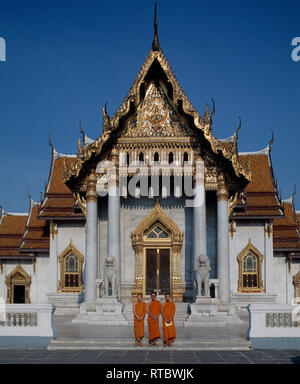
(19, 294)
(157, 270)
(158, 241)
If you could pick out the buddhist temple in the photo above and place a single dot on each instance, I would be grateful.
(151, 193)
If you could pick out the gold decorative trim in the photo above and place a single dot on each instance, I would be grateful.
(232, 202)
(68, 251)
(222, 192)
(242, 254)
(175, 241)
(296, 283)
(268, 229)
(232, 228)
(91, 194)
(18, 277)
(53, 229)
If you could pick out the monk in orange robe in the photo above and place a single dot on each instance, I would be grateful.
(168, 313)
(139, 311)
(154, 311)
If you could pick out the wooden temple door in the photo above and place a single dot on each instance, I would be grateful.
(157, 270)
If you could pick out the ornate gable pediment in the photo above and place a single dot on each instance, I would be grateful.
(140, 117)
(156, 116)
(157, 215)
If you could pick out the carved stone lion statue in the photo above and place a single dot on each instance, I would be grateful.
(202, 268)
(110, 276)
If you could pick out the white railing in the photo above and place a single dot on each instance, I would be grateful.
(18, 319)
(27, 320)
(274, 321)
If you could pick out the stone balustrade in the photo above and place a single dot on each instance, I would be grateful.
(274, 326)
(26, 325)
(18, 319)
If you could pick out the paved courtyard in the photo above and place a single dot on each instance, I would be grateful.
(149, 357)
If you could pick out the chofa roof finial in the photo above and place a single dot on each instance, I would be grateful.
(272, 139)
(155, 44)
(50, 142)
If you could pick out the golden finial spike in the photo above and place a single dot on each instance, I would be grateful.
(214, 108)
(80, 127)
(155, 44)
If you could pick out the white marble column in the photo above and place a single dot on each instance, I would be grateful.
(114, 207)
(91, 240)
(200, 239)
(223, 262)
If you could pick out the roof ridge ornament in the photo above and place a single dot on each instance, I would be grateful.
(238, 129)
(155, 44)
(271, 141)
(291, 200)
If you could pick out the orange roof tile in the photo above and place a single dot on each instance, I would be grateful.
(36, 236)
(286, 234)
(260, 194)
(12, 228)
(59, 200)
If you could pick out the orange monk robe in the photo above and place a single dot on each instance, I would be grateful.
(154, 309)
(140, 310)
(169, 313)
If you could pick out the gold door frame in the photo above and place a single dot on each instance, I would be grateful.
(18, 277)
(174, 243)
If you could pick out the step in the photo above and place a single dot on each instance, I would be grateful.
(129, 345)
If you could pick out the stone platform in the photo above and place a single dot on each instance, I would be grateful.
(206, 312)
(78, 336)
(106, 311)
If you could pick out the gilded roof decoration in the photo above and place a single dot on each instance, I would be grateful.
(228, 150)
(156, 117)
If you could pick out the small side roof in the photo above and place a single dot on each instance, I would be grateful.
(59, 200)
(261, 198)
(286, 235)
(12, 228)
(36, 237)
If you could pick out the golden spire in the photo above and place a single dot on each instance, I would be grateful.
(155, 44)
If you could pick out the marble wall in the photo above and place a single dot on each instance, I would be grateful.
(40, 282)
(133, 211)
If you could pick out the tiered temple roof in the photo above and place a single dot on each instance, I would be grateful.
(36, 236)
(59, 202)
(260, 198)
(286, 229)
(12, 228)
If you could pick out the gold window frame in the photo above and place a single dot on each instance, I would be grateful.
(71, 249)
(296, 282)
(259, 257)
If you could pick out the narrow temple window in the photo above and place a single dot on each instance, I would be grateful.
(141, 157)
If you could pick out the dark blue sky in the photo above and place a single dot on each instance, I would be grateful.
(65, 59)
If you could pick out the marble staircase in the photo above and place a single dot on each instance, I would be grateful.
(180, 316)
